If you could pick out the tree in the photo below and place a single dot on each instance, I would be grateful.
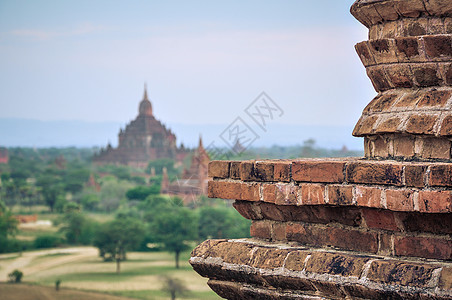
(222, 222)
(51, 187)
(174, 287)
(174, 228)
(142, 192)
(77, 228)
(117, 237)
(8, 227)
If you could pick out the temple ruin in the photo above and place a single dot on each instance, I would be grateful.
(378, 227)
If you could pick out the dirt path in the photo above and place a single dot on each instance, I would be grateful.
(8, 264)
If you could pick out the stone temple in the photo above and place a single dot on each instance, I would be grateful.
(143, 139)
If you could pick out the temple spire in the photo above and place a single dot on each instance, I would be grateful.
(145, 96)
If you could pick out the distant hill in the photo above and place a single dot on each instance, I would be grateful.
(35, 133)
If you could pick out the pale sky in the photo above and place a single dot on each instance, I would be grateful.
(203, 61)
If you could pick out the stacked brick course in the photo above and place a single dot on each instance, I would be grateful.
(378, 227)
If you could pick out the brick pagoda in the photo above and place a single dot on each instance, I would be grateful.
(378, 227)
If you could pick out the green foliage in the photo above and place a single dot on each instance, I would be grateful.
(77, 228)
(174, 229)
(15, 276)
(8, 228)
(142, 192)
(117, 237)
(112, 193)
(222, 222)
(90, 201)
(47, 241)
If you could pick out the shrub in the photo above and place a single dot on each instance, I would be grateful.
(47, 241)
(15, 276)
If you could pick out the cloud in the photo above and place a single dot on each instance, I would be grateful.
(41, 35)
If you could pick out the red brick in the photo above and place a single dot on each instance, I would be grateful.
(435, 201)
(318, 171)
(414, 175)
(408, 46)
(385, 246)
(282, 171)
(408, 100)
(380, 219)
(261, 229)
(286, 194)
(446, 126)
(421, 124)
(441, 175)
(364, 53)
(374, 172)
(312, 194)
(321, 236)
(224, 189)
(234, 170)
(296, 260)
(445, 280)
(268, 258)
(264, 170)
(389, 125)
(340, 194)
(426, 75)
(378, 78)
(250, 191)
(365, 125)
(391, 272)
(247, 171)
(423, 247)
(434, 98)
(218, 169)
(438, 46)
(248, 210)
(269, 192)
(435, 147)
(382, 103)
(278, 231)
(272, 212)
(335, 264)
(400, 75)
(368, 196)
(400, 200)
(404, 146)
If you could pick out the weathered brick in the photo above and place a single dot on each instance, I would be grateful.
(448, 73)
(202, 250)
(408, 100)
(421, 124)
(414, 175)
(438, 46)
(289, 283)
(413, 27)
(380, 219)
(398, 273)
(374, 172)
(436, 148)
(400, 200)
(400, 75)
(382, 103)
(272, 212)
(423, 247)
(347, 239)
(286, 194)
(312, 194)
(226, 289)
(378, 78)
(248, 210)
(437, 223)
(446, 126)
(368, 196)
(250, 191)
(234, 170)
(389, 125)
(261, 229)
(234, 253)
(296, 260)
(445, 279)
(340, 194)
(408, 46)
(269, 192)
(382, 51)
(264, 170)
(318, 171)
(224, 189)
(364, 53)
(381, 146)
(435, 201)
(335, 264)
(434, 98)
(426, 75)
(385, 246)
(365, 125)
(282, 171)
(247, 171)
(404, 146)
(278, 231)
(441, 175)
(268, 258)
(218, 169)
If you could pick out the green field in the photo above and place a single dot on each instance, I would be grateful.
(80, 268)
